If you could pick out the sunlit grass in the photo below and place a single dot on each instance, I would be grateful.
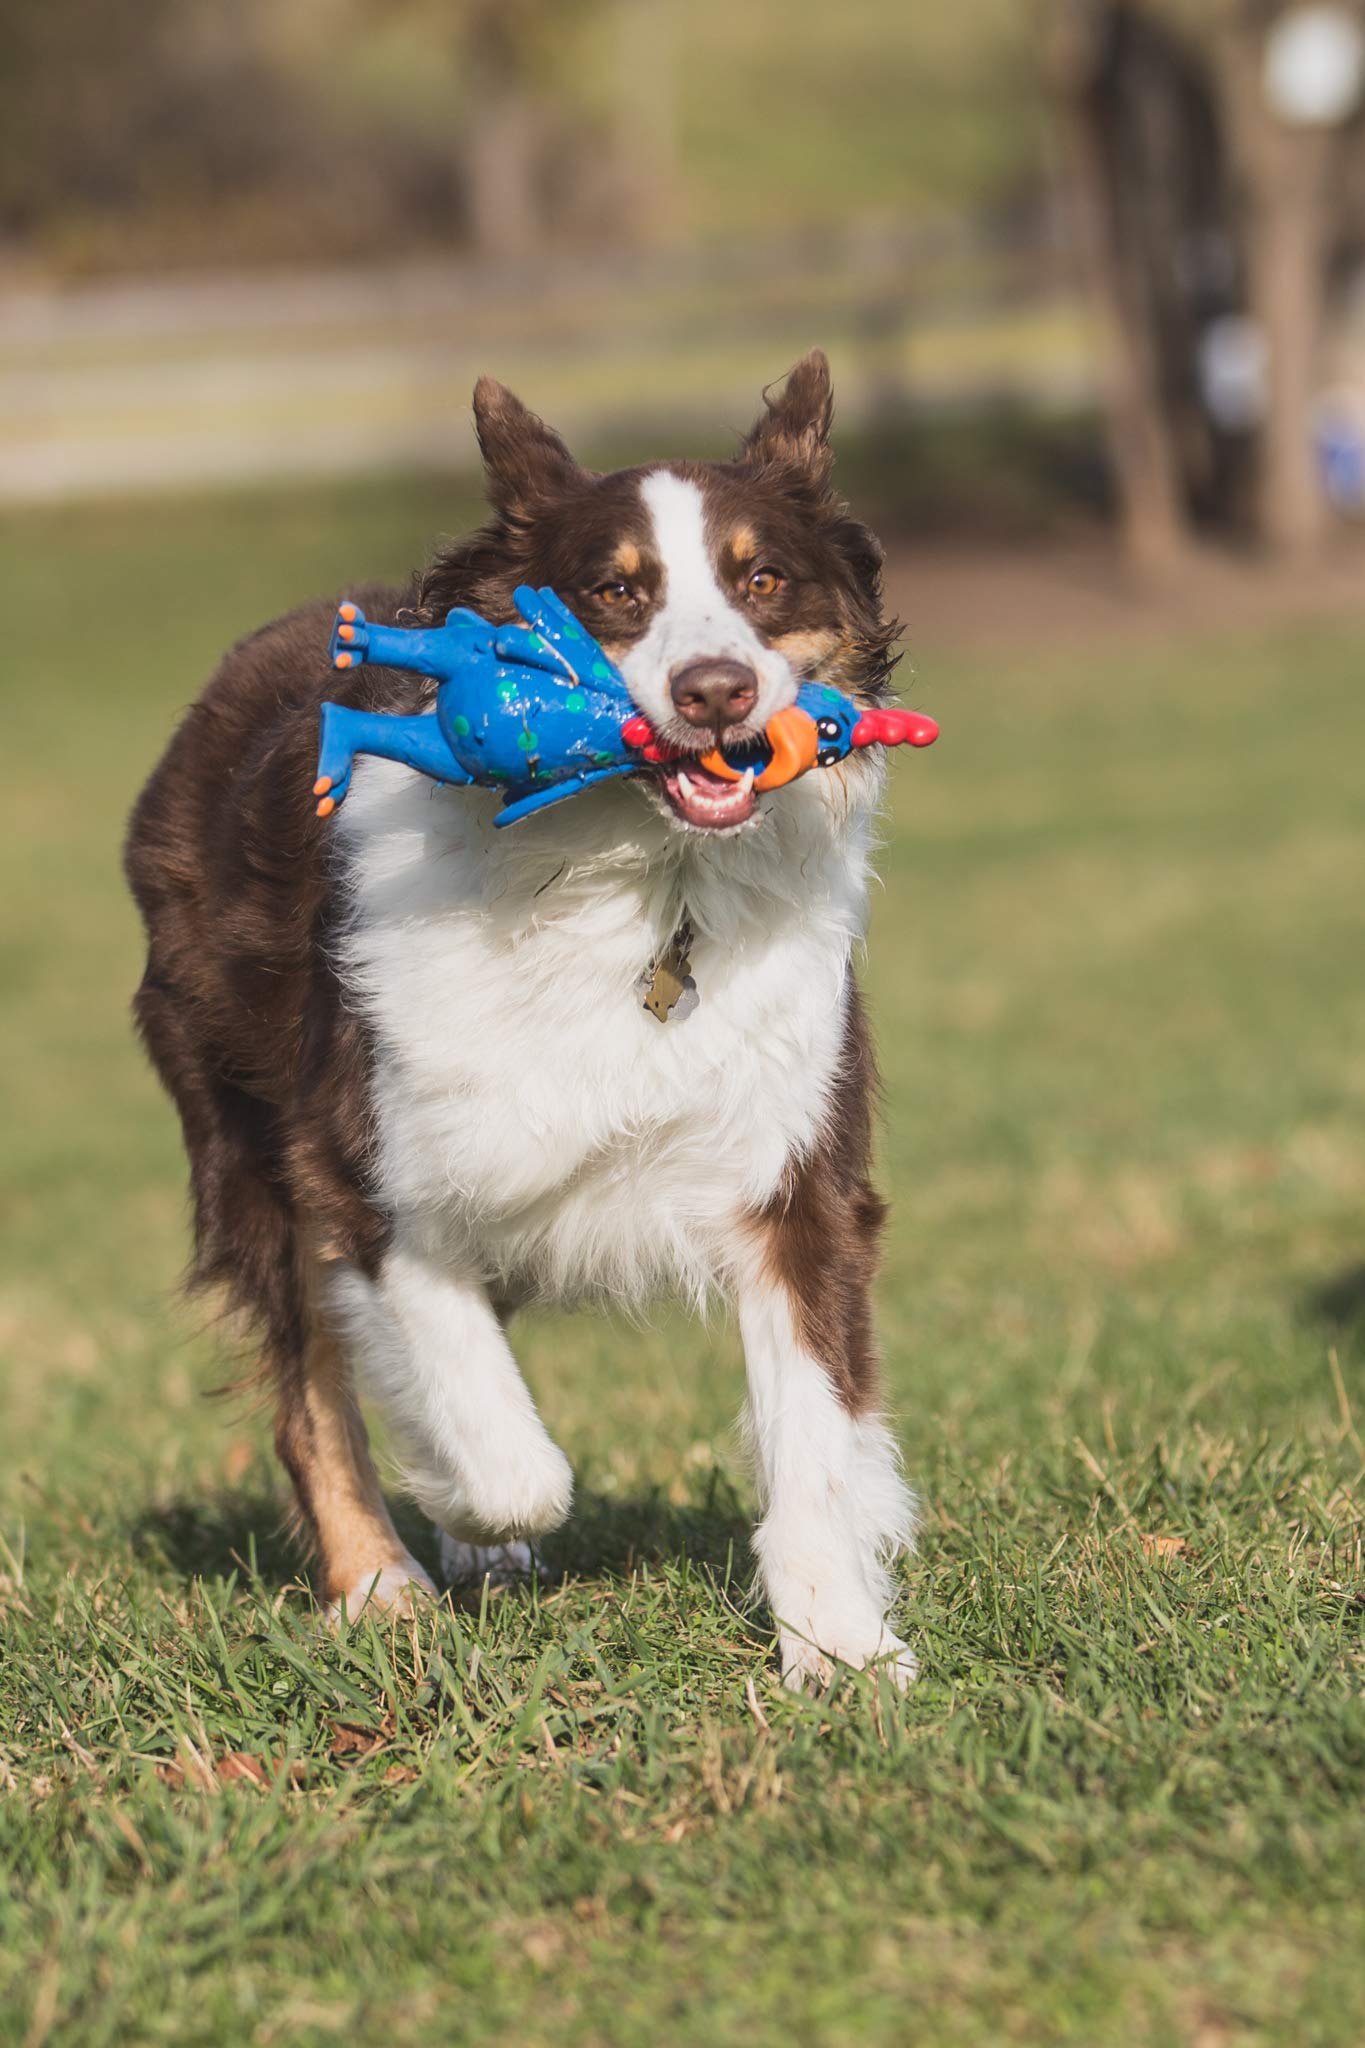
(1115, 974)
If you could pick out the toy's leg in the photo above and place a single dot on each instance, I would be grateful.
(835, 1508)
(417, 742)
(433, 1353)
(522, 806)
(425, 651)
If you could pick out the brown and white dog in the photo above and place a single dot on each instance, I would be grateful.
(418, 1083)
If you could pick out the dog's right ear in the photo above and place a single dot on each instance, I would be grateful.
(794, 427)
(526, 462)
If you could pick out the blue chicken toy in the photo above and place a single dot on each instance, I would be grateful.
(539, 712)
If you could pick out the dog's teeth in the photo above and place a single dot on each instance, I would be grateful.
(685, 785)
(746, 781)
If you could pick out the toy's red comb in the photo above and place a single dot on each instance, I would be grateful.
(895, 728)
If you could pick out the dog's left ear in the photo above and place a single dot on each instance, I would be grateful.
(525, 461)
(795, 428)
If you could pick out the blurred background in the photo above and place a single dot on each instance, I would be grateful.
(1091, 274)
(1092, 277)
(1083, 266)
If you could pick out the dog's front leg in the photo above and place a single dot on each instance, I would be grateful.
(432, 1352)
(836, 1509)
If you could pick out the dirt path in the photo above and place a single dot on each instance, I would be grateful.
(1081, 595)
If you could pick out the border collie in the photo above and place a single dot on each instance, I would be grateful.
(418, 1079)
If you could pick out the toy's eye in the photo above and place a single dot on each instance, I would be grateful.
(828, 728)
(613, 593)
(765, 582)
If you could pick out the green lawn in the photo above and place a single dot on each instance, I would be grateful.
(1117, 975)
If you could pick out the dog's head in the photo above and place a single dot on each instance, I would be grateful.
(716, 587)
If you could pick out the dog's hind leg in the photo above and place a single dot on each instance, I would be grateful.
(247, 1245)
(432, 1351)
(322, 1443)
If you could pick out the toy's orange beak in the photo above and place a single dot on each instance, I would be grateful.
(794, 743)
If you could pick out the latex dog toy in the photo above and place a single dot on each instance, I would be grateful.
(539, 712)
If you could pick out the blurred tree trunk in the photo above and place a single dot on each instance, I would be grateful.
(1177, 155)
(570, 122)
(1145, 468)
(1284, 178)
(645, 114)
(503, 142)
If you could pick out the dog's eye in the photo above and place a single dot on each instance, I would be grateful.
(765, 582)
(612, 593)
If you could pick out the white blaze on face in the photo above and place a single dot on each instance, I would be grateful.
(695, 618)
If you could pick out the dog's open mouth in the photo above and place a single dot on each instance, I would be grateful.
(710, 802)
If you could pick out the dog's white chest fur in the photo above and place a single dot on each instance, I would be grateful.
(532, 1117)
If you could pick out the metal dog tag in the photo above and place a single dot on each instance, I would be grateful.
(670, 986)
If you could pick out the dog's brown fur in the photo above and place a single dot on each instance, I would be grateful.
(823, 1232)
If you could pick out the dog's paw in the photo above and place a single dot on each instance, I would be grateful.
(502, 1564)
(522, 1493)
(395, 1589)
(810, 1652)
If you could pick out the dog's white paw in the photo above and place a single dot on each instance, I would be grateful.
(810, 1651)
(520, 1493)
(502, 1564)
(391, 1589)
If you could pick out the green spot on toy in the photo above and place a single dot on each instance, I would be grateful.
(461, 725)
(527, 742)
(575, 701)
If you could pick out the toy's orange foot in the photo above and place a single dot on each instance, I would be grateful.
(327, 806)
(348, 636)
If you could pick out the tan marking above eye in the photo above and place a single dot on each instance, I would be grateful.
(627, 560)
(744, 544)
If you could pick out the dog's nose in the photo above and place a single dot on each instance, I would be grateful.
(714, 691)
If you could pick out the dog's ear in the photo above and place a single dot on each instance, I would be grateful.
(794, 429)
(526, 462)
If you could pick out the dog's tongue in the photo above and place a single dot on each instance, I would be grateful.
(707, 800)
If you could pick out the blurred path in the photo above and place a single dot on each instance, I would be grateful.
(183, 383)
(1078, 593)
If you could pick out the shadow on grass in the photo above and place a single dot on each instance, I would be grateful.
(218, 1533)
(611, 1535)
(1340, 1302)
(608, 1536)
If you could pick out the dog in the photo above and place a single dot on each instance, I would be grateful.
(419, 1080)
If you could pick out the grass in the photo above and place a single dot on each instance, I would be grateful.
(1116, 975)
